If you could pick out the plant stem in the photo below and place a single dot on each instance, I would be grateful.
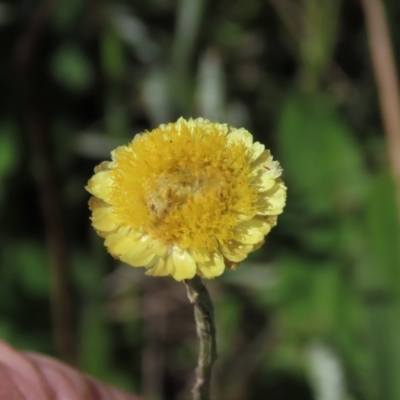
(37, 126)
(205, 327)
(387, 81)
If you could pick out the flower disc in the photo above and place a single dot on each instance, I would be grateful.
(190, 197)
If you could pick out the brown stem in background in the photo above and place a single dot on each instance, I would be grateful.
(384, 66)
(292, 17)
(37, 128)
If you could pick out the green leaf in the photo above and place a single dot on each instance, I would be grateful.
(383, 234)
(67, 13)
(71, 68)
(322, 163)
(31, 260)
(8, 150)
(380, 284)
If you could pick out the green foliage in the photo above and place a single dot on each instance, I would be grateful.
(8, 153)
(71, 68)
(381, 284)
(321, 159)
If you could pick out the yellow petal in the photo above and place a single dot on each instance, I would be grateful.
(104, 219)
(169, 265)
(264, 180)
(240, 135)
(120, 150)
(272, 220)
(266, 164)
(138, 260)
(235, 251)
(94, 203)
(100, 185)
(121, 241)
(272, 201)
(159, 268)
(200, 255)
(212, 268)
(140, 254)
(252, 231)
(256, 150)
(103, 166)
(159, 248)
(263, 158)
(185, 266)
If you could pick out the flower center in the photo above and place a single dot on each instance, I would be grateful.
(175, 192)
(191, 195)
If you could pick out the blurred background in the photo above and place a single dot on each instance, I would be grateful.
(315, 313)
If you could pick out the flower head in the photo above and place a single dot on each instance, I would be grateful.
(190, 197)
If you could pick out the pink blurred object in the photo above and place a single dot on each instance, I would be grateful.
(30, 376)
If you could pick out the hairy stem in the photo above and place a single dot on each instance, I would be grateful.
(205, 327)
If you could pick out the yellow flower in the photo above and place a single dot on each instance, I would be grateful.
(190, 197)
